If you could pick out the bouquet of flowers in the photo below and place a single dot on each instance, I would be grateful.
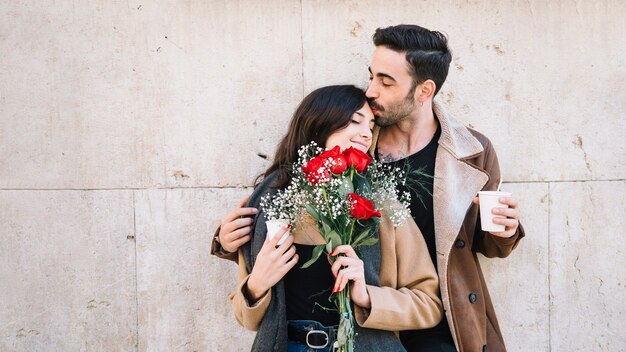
(343, 192)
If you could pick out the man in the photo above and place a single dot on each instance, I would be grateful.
(409, 66)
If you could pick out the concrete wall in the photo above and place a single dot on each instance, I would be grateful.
(129, 128)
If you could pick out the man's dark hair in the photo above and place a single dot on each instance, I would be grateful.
(426, 51)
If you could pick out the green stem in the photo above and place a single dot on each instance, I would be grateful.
(349, 239)
(330, 214)
(346, 318)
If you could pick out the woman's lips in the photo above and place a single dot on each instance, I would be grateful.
(360, 145)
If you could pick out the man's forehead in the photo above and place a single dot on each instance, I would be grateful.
(385, 60)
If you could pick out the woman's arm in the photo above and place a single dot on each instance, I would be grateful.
(408, 296)
(253, 295)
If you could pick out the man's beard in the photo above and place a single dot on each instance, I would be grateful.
(396, 112)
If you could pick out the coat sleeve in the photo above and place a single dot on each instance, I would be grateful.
(408, 296)
(247, 315)
(484, 242)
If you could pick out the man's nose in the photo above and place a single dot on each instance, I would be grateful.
(371, 91)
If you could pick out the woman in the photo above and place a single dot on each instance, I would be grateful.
(394, 285)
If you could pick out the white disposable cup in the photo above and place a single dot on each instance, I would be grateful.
(488, 201)
(274, 227)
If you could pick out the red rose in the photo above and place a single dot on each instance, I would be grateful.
(315, 171)
(361, 208)
(357, 158)
(337, 161)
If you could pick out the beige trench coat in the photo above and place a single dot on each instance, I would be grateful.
(408, 295)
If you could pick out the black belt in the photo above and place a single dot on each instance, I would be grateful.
(314, 338)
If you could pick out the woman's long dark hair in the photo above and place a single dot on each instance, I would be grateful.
(322, 112)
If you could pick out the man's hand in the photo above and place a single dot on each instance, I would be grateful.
(272, 263)
(235, 227)
(511, 214)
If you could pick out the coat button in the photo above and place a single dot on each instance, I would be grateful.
(459, 244)
(473, 297)
(485, 348)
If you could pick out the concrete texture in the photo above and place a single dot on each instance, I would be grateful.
(183, 291)
(155, 89)
(67, 271)
(133, 121)
(588, 275)
(519, 284)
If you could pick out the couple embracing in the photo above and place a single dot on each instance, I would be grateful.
(420, 286)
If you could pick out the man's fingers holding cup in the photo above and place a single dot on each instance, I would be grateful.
(508, 223)
(510, 201)
(506, 212)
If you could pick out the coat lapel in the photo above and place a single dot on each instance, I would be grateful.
(456, 183)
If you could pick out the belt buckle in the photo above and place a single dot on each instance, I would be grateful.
(321, 332)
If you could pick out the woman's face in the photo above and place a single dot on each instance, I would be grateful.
(357, 134)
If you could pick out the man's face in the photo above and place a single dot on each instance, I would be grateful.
(391, 89)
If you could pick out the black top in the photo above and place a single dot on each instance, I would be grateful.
(308, 290)
(420, 186)
(438, 338)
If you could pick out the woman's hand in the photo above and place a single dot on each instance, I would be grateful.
(235, 227)
(350, 268)
(272, 263)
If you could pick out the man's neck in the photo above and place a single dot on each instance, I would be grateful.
(409, 136)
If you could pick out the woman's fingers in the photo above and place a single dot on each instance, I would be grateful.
(288, 254)
(346, 268)
(288, 241)
(345, 262)
(345, 276)
(291, 262)
(273, 242)
(344, 249)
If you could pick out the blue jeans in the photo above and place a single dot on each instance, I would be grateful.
(305, 326)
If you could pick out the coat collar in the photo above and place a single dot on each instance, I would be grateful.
(456, 183)
(455, 137)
